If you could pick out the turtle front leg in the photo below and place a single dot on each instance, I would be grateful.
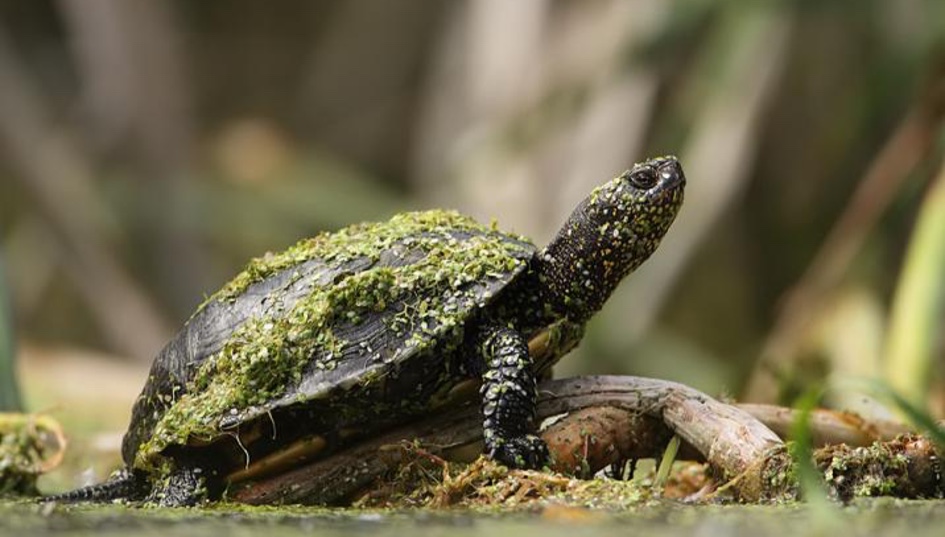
(185, 486)
(508, 399)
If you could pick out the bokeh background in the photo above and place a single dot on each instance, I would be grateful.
(149, 149)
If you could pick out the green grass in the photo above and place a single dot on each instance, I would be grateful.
(9, 390)
(919, 306)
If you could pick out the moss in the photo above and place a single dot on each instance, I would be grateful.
(880, 469)
(360, 240)
(266, 355)
(29, 446)
(426, 481)
(779, 482)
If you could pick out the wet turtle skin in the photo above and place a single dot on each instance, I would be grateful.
(349, 333)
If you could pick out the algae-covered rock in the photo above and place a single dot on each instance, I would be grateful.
(30, 445)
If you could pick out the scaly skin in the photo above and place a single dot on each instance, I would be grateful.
(508, 400)
(608, 235)
(123, 485)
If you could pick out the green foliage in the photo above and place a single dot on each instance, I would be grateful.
(811, 480)
(913, 413)
(30, 445)
(802, 448)
(9, 390)
(919, 305)
(666, 462)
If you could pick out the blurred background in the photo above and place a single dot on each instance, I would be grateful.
(149, 149)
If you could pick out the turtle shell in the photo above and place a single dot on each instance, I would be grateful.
(361, 321)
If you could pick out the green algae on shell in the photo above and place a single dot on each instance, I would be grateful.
(424, 264)
(360, 240)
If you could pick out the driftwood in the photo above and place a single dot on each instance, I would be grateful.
(828, 426)
(729, 438)
(610, 419)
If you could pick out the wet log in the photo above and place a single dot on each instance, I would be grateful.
(730, 439)
(602, 420)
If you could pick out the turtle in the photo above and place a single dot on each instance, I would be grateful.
(349, 333)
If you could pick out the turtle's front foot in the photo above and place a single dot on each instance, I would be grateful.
(527, 452)
(508, 400)
(184, 487)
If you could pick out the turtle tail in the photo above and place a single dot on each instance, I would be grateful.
(123, 485)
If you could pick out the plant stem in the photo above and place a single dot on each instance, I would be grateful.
(919, 302)
(9, 391)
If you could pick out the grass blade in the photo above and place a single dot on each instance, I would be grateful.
(912, 412)
(9, 390)
(802, 449)
(666, 463)
(919, 304)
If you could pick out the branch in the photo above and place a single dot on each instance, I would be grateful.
(729, 438)
(829, 426)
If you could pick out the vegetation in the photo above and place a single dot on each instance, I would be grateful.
(148, 149)
(9, 389)
(29, 446)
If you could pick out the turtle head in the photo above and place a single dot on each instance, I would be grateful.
(609, 234)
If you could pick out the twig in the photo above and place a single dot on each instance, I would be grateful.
(829, 426)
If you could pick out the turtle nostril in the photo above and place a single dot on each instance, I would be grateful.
(672, 174)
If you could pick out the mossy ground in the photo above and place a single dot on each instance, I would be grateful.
(485, 499)
(429, 482)
(882, 517)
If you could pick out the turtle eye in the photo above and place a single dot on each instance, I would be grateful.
(644, 178)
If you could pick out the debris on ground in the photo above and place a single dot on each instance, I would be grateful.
(30, 445)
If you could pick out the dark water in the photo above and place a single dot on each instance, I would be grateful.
(874, 517)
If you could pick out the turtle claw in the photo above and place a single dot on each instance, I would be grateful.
(184, 487)
(619, 471)
(527, 452)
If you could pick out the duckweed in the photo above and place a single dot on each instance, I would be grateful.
(424, 265)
